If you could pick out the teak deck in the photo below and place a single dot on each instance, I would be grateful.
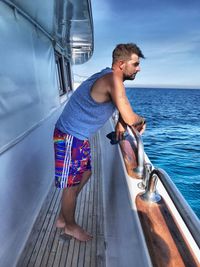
(46, 247)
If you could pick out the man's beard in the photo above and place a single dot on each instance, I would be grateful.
(130, 78)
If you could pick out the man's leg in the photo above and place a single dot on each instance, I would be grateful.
(85, 178)
(66, 217)
(60, 223)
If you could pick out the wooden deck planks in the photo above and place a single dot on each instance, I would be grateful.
(29, 249)
(45, 246)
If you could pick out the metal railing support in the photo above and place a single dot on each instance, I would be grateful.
(151, 194)
(140, 149)
(146, 174)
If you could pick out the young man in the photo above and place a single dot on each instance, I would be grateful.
(91, 105)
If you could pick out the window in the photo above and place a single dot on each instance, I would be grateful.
(63, 73)
(68, 75)
(60, 75)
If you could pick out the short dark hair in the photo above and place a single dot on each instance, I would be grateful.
(124, 52)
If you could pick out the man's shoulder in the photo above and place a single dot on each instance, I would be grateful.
(104, 80)
(111, 78)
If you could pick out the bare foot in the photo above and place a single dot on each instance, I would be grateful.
(60, 223)
(77, 232)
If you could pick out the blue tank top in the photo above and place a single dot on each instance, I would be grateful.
(83, 116)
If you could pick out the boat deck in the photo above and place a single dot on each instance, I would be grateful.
(47, 247)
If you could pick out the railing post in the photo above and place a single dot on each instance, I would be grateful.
(140, 151)
(140, 147)
(146, 174)
(151, 194)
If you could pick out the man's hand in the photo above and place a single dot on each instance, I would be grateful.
(140, 127)
(119, 130)
(141, 131)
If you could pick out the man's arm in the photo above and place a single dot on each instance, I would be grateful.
(120, 128)
(118, 95)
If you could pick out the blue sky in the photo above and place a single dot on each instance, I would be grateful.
(167, 31)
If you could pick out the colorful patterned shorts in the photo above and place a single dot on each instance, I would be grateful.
(72, 159)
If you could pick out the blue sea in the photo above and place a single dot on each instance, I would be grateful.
(172, 136)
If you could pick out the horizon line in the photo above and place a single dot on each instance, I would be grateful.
(162, 86)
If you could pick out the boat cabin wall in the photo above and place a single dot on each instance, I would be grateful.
(29, 106)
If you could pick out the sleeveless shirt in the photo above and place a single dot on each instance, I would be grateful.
(82, 116)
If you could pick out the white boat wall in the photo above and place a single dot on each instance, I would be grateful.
(39, 40)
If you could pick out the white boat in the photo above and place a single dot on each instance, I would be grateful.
(131, 225)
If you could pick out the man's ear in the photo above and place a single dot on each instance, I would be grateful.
(121, 64)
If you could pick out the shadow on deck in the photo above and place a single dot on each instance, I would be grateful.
(45, 246)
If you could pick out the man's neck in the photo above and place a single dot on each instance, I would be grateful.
(118, 72)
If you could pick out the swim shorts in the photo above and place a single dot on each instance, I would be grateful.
(72, 159)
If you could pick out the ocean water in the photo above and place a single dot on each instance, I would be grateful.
(172, 136)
